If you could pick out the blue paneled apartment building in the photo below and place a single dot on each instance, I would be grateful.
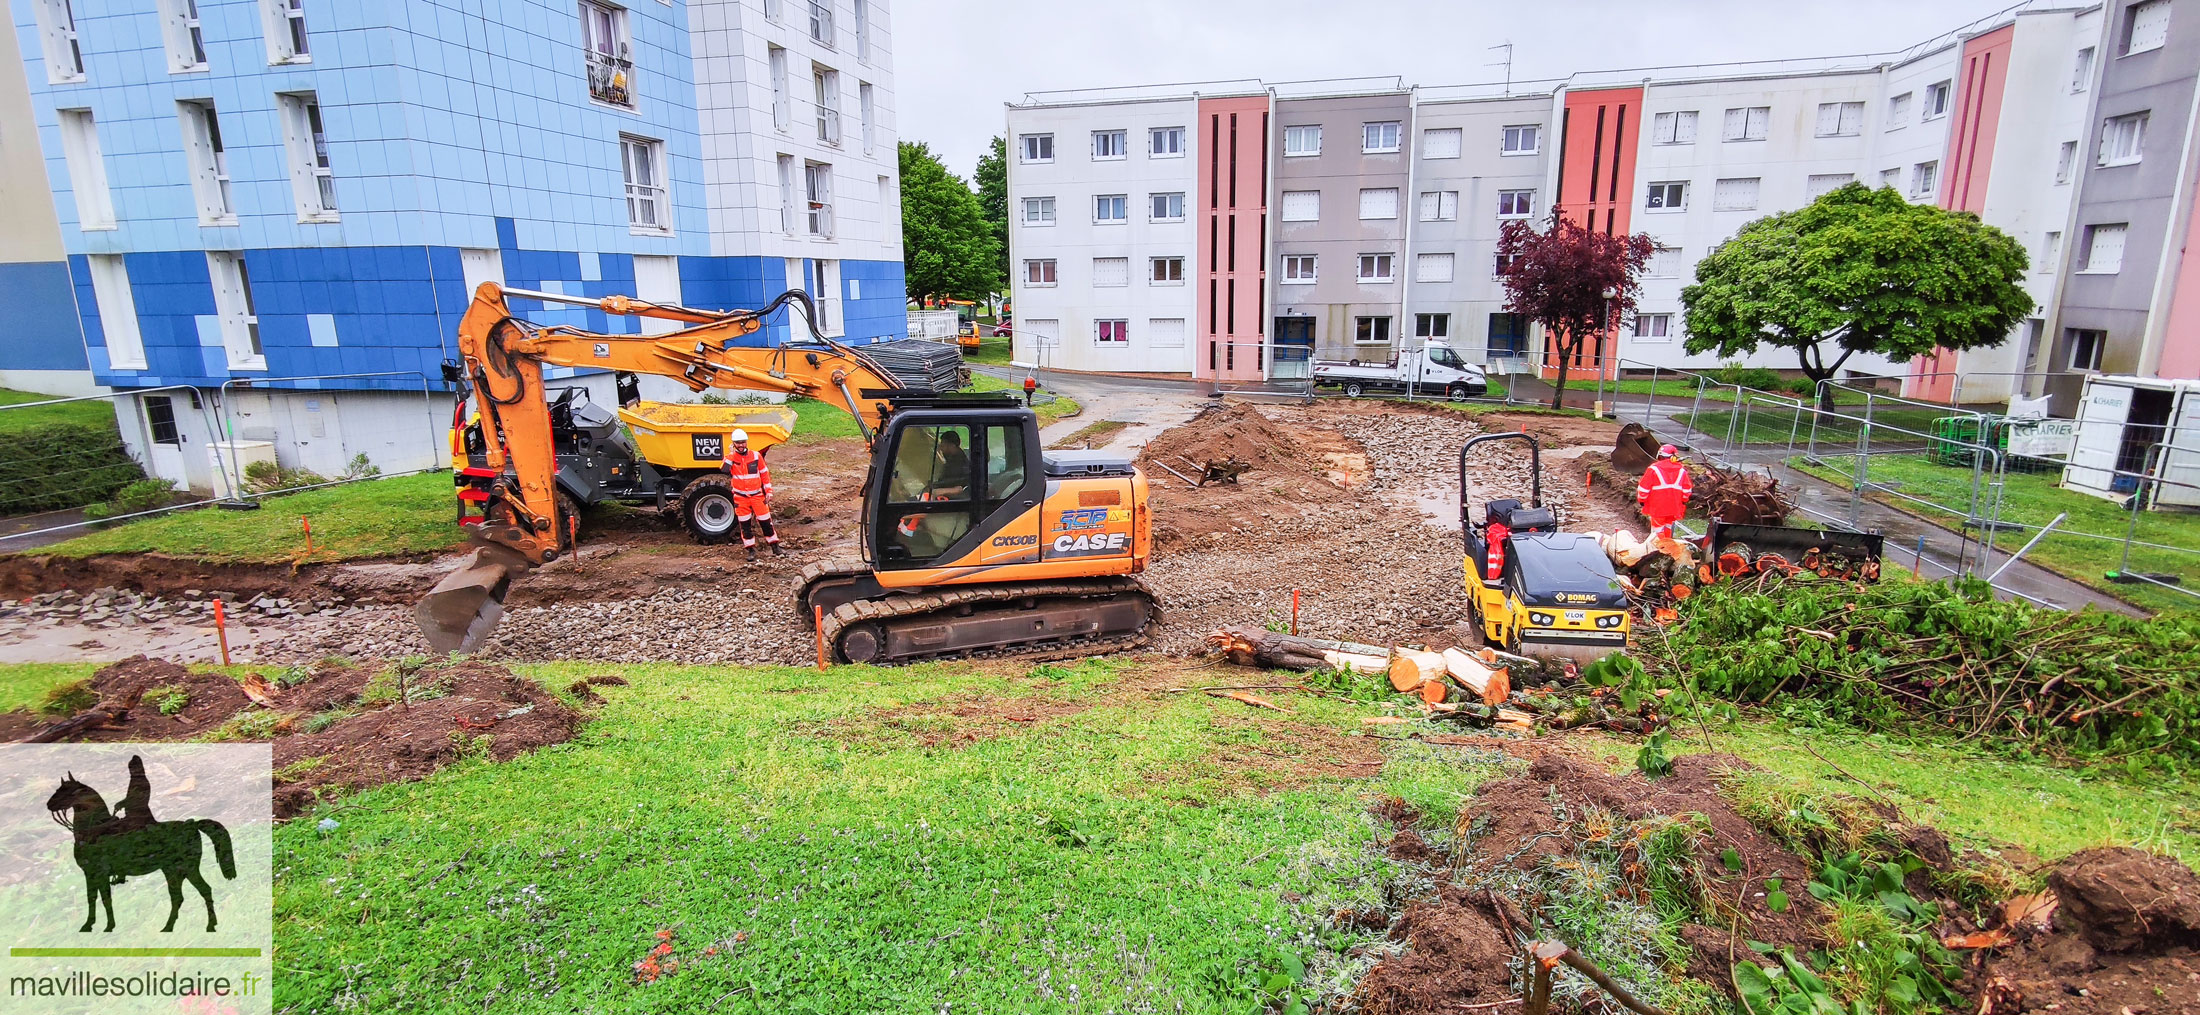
(251, 190)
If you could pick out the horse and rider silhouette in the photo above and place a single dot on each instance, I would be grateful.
(111, 848)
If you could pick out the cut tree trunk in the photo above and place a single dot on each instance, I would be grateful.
(1411, 668)
(1493, 684)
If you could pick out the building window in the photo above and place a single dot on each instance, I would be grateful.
(1039, 272)
(1375, 268)
(1036, 147)
(825, 86)
(863, 30)
(647, 211)
(1038, 211)
(1508, 335)
(1925, 179)
(782, 104)
(1890, 177)
(118, 318)
(2066, 162)
(1371, 330)
(609, 51)
(57, 29)
(1665, 262)
(1668, 196)
(1739, 194)
(1111, 332)
(1165, 142)
(202, 144)
(1168, 207)
(2081, 76)
(1111, 272)
(312, 181)
(1302, 140)
(160, 419)
(240, 325)
(821, 23)
(1840, 119)
(867, 107)
(1936, 100)
(2123, 138)
(775, 10)
(1166, 271)
(1677, 127)
(1111, 208)
(2146, 27)
(2086, 347)
(1302, 205)
(1045, 333)
(1436, 326)
(1379, 203)
(1432, 267)
(817, 184)
(2050, 248)
(1820, 184)
(1521, 139)
(1515, 204)
(1439, 205)
(1108, 145)
(1503, 265)
(1441, 143)
(787, 199)
(1165, 333)
(1898, 111)
(1379, 138)
(1653, 325)
(825, 275)
(1298, 269)
(1748, 123)
(186, 43)
(2103, 253)
(95, 206)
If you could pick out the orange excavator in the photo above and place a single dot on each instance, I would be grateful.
(974, 539)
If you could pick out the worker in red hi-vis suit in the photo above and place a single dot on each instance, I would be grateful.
(1664, 492)
(751, 483)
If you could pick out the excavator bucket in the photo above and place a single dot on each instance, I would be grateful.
(460, 612)
(1635, 449)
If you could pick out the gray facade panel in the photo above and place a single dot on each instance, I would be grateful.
(1338, 238)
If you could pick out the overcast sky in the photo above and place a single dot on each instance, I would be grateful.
(957, 61)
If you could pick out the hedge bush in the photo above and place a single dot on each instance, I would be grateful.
(63, 465)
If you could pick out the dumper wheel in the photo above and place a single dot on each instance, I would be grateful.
(569, 520)
(706, 510)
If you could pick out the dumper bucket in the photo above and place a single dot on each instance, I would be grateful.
(460, 612)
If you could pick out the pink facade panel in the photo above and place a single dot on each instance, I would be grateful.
(1232, 200)
(1970, 160)
(2181, 341)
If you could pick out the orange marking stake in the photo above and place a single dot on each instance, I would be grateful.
(817, 613)
(308, 524)
(1294, 612)
(221, 630)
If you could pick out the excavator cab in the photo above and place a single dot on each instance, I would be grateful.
(955, 484)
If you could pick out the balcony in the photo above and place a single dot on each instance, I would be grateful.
(611, 78)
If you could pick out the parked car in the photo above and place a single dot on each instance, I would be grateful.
(1004, 329)
(1434, 370)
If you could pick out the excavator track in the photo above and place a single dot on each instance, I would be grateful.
(1036, 620)
(815, 577)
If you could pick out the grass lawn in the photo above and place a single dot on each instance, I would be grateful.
(2032, 498)
(374, 518)
(96, 412)
(1776, 425)
(943, 837)
(990, 351)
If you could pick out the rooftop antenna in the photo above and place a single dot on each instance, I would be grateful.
(1508, 63)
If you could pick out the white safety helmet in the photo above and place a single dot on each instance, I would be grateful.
(740, 436)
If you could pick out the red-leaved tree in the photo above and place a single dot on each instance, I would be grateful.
(1557, 278)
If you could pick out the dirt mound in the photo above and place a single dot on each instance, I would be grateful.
(1458, 952)
(1297, 465)
(1238, 431)
(2125, 930)
(334, 728)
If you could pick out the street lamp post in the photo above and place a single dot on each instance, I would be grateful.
(1609, 294)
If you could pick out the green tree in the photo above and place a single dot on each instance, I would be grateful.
(947, 249)
(1858, 270)
(992, 179)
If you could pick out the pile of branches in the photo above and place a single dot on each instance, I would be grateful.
(2087, 684)
(1740, 498)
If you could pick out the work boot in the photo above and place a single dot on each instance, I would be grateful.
(752, 553)
(777, 552)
